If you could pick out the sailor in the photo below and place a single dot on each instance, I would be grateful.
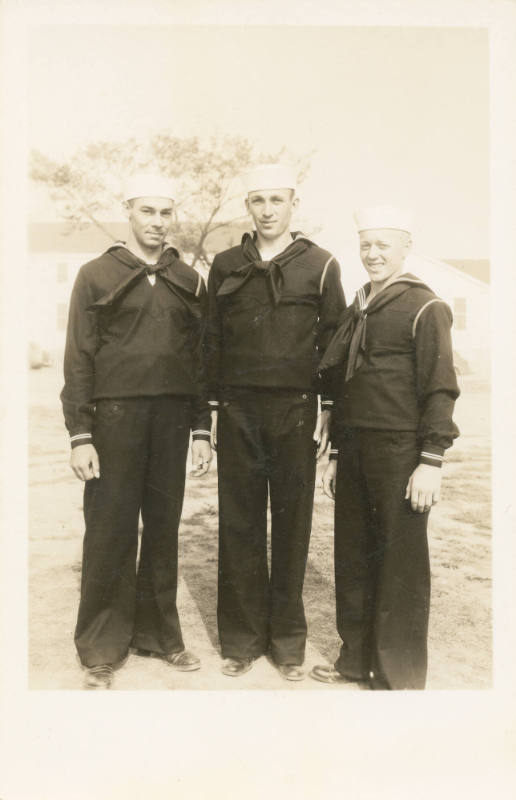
(133, 393)
(390, 365)
(274, 301)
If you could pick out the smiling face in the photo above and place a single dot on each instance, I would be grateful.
(271, 210)
(150, 219)
(383, 253)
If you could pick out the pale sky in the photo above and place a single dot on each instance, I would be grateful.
(396, 115)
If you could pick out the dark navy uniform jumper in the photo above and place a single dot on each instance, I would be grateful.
(268, 325)
(391, 367)
(133, 387)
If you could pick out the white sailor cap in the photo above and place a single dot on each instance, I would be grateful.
(147, 184)
(382, 218)
(269, 176)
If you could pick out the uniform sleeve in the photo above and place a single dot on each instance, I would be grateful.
(201, 426)
(436, 381)
(79, 370)
(331, 306)
(213, 339)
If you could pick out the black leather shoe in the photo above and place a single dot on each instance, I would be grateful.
(98, 677)
(234, 667)
(183, 661)
(291, 672)
(328, 674)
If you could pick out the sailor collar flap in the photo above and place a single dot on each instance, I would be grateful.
(348, 342)
(178, 278)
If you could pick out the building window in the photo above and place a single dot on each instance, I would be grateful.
(62, 316)
(62, 272)
(459, 313)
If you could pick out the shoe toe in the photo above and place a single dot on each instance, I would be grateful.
(236, 666)
(184, 661)
(291, 672)
(326, 674)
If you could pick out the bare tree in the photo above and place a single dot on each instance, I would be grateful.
(86, 188)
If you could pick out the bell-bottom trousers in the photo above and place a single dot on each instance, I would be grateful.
(382, 572)
(142, 445)
(265, 448)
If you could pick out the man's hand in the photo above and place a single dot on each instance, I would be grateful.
(329, 478)
(322, 432)
(214, 419)
(85, 462)
(423, 488)
(201, 457)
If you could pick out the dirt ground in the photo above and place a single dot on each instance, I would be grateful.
(460, 546)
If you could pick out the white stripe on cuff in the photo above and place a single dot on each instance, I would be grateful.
(80, 436)
(208, 433)
(432, 455)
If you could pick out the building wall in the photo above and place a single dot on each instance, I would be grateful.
(469, 300)
(52, 276)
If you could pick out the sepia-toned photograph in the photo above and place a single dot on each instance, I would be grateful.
(259, 358)
(256, 411)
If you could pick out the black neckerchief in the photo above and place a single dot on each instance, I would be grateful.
(348, 342)
(168, 268)
(272, 269)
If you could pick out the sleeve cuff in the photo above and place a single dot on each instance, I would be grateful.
(213, 404)
(80, 438)
(431, 455)
(326, 404)
(205, 436)
(334, 454)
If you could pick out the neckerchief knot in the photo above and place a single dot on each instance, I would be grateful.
(272, 270)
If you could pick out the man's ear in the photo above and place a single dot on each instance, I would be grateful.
(127, 206)
(295, 202)
(246, 201)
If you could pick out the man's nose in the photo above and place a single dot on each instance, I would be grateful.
(267, 210)
(373, 252)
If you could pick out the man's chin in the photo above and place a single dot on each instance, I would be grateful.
(268, 233)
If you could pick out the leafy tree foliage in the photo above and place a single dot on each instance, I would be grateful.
(87, 187)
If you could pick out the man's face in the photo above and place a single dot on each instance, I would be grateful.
(150, 219)
(383, 252)
(271, 210)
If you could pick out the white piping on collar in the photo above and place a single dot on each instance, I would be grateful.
(429, 303)
(401, 279)
(325, 270)
(362, 298)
